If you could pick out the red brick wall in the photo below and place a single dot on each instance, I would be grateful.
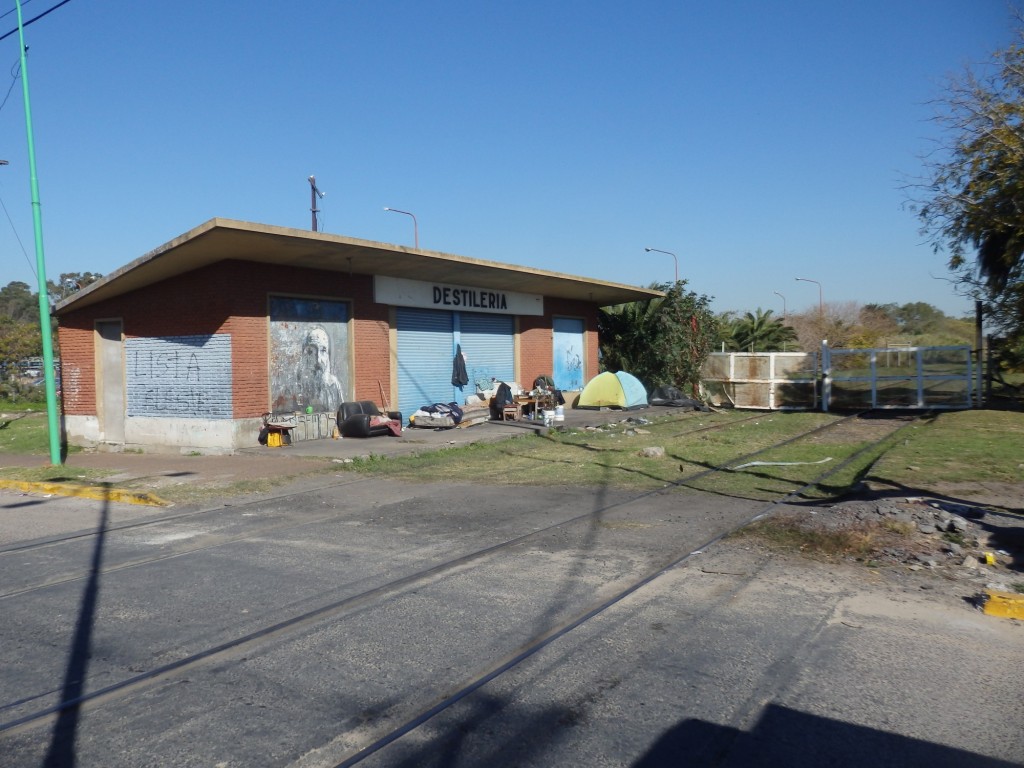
(78, 366)
(229, 297)
(536, 342)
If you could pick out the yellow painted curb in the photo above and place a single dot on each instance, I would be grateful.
(98, 493)
(1004, 604)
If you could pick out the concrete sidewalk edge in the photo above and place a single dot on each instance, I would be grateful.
(98, 493)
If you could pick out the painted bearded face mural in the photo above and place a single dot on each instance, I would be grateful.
(309, 354)
(317, 385)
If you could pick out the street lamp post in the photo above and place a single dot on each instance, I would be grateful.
(669, 253)
(821, 302)
(415, 225)
(785, 316)
(314, 193)
(49, 379)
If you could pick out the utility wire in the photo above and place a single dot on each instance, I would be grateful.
(36, 18)
(8, 13)
(15, 73)
(15, 231)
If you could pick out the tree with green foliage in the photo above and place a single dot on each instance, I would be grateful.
(757, 331)
(914, 318)
(18, 341)
(662, 341)
(68, 283)
(972, 203)
(19, 325)
(18, 303)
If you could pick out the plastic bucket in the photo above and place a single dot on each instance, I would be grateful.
(549, 416)
(559, 413)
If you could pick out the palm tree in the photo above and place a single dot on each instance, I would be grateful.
(760, 332)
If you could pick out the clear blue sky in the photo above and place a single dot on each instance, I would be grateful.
(758, 141)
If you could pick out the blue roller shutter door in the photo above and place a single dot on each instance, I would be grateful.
(426, 347)
(488, 342)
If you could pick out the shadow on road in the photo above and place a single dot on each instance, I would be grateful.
(61, 752)
(784, 736)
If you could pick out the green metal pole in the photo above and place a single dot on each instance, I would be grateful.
(52, 419)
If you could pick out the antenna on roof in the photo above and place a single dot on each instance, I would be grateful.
(314, 193)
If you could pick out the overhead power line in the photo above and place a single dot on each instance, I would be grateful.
(35, 18)
(5, 14)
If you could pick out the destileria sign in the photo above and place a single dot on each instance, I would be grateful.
(400, 292)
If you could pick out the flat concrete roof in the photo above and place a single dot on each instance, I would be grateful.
(223, 239)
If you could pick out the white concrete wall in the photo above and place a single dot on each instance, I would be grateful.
(83, 431)
(168, 435)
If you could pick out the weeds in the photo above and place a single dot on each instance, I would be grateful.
(899, 527)
(794, 533)
(955, 537)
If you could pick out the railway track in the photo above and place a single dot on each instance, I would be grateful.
(280, 501)
(616, 514)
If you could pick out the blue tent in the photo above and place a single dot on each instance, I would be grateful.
(636, 393)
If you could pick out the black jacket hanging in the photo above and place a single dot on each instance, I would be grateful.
(459, 376)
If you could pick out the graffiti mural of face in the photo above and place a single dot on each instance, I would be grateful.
(316, 353)
(319, 387)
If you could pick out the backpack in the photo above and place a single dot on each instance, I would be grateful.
(456, 412)
(503, 396)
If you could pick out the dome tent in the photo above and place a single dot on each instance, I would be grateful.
(613, 390)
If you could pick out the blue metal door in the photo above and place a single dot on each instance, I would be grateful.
(426, 347)
(569, 350)
(488, 343)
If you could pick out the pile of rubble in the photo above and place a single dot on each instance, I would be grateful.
(919, 533)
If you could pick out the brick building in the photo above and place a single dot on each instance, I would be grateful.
(188, 346)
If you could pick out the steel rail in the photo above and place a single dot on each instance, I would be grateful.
(34, 545)
(542, 640)
(240, 644)
(139, 562)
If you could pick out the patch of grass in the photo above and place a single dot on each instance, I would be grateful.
(179, 492)
(608, 457)
(11, 406)
(612, 456)
(794, 467)
(693, 443)
(187, 493)
(24, 431)
(956, 447)
(52, 474)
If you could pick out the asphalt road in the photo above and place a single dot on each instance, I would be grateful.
(299, 629)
